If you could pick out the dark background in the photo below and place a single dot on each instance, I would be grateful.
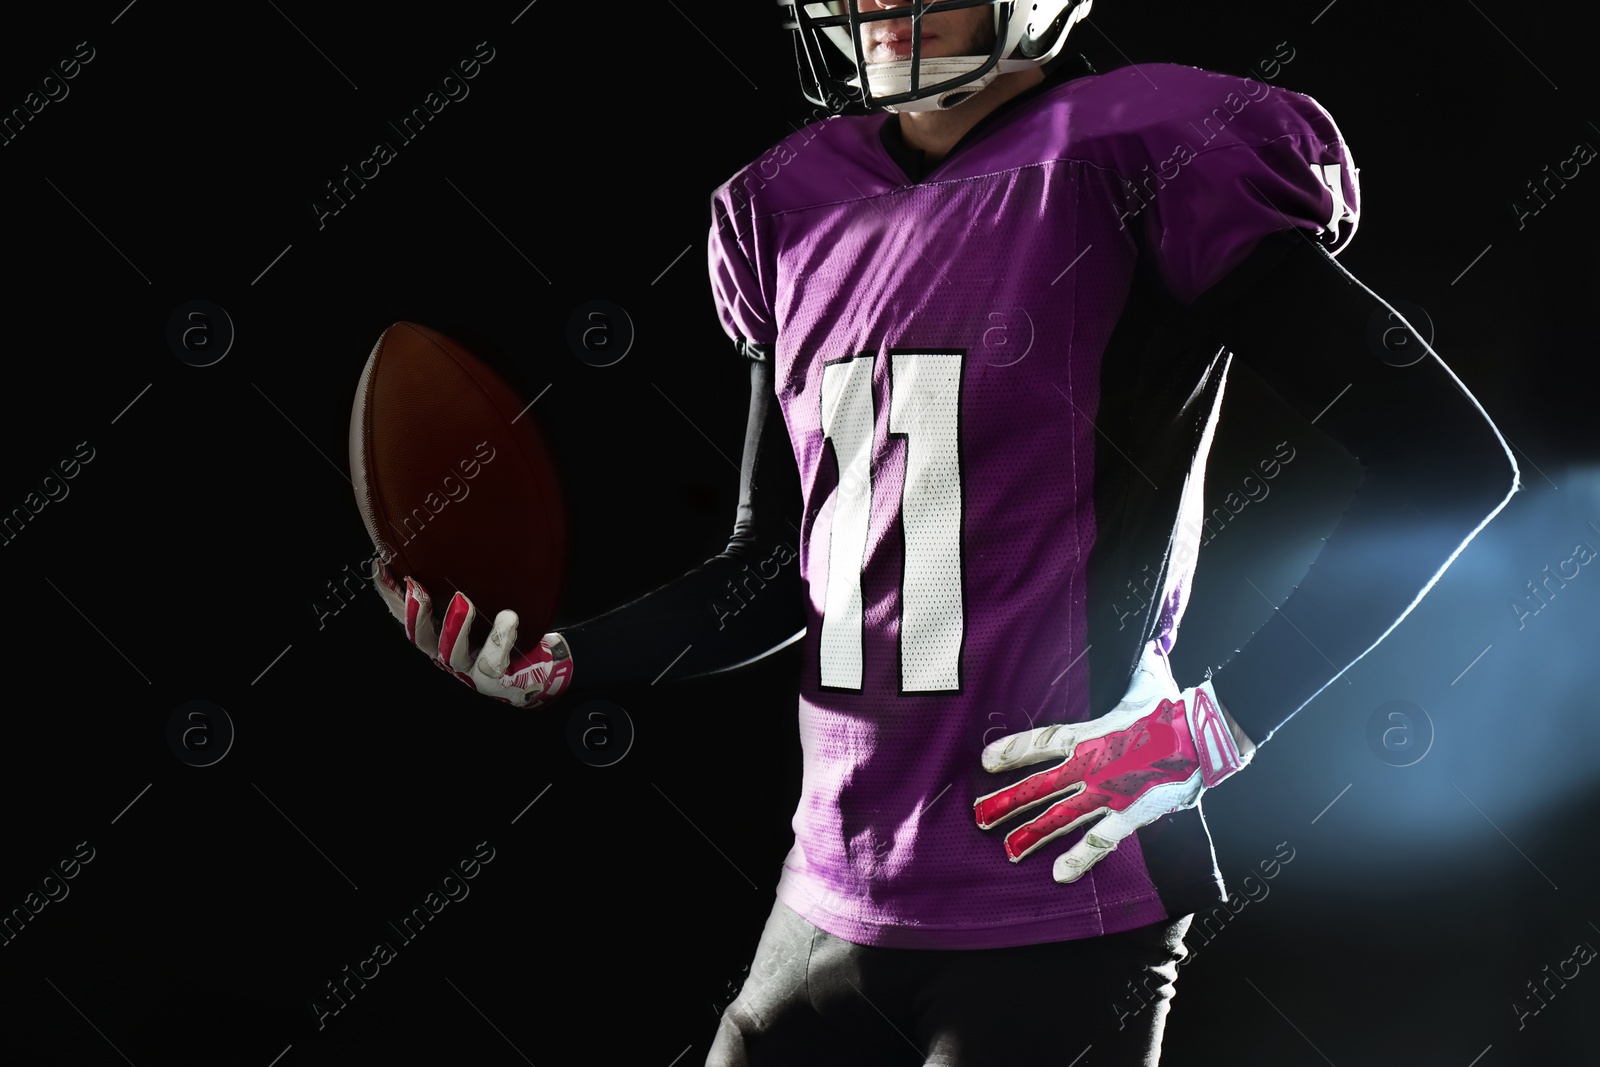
(621, 907)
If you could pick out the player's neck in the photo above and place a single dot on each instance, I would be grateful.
(935, 133)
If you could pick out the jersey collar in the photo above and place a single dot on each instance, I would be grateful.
(911, 160)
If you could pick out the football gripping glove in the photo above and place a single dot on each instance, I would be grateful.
(1155, 752)
(526, 681)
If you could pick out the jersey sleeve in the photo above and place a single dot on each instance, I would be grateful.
(1236, 161)
(738, 285)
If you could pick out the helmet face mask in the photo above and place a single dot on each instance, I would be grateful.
(830, 51)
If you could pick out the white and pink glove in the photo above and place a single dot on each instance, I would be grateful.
(1155, 752)
(527, 681)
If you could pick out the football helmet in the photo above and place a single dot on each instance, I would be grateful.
(834, 72)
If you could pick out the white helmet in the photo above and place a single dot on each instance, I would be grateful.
(834, 72)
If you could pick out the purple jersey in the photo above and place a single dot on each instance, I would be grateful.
(991, 435)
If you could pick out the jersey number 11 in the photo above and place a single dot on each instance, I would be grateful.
(924, 411)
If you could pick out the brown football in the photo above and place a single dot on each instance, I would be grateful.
(455, 481)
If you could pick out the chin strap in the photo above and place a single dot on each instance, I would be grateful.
(889, 79)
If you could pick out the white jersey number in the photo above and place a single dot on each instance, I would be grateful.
(924, 409)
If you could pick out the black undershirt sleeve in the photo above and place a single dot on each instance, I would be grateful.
(1436, 467)
(736, 607)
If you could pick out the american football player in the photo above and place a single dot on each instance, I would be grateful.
(949, 534)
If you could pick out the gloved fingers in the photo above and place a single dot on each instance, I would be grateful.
(1100, 841)
(394, 596)
(495, 656)
(1000, 805)
(1032, 746)
(457, 634)
(1062, 817)
(1150, 805)
(419, 618)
